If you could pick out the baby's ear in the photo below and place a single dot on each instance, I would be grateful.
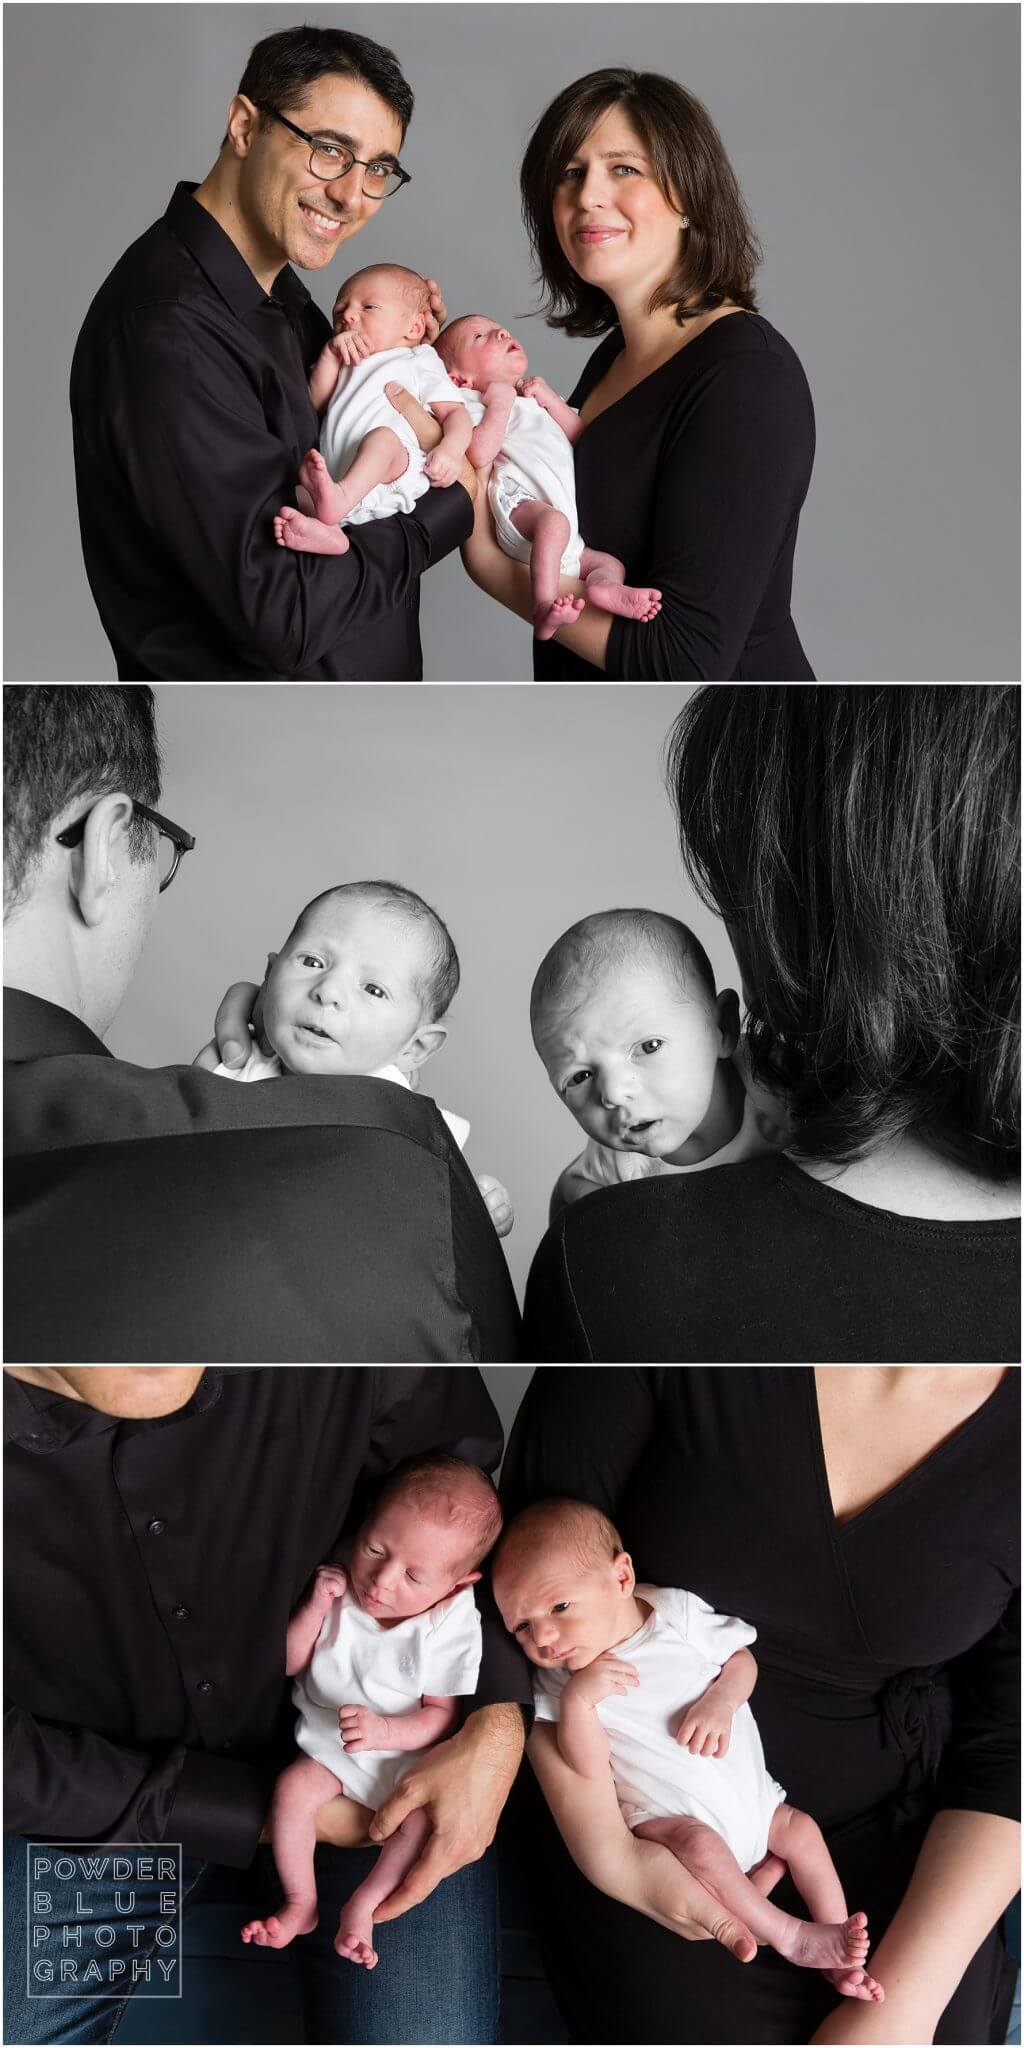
(428, 1040)
(728, 1008)
(456, 377)
(417, 330)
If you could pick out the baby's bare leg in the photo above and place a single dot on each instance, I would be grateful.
(354, 1939)
(548, 534)
(702, 1852)
(607, 588)
(382, 459)
(299, 1793)
(799, 1841)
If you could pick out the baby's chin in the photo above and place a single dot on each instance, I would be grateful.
(663, 1137)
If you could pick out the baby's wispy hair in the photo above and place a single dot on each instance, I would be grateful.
(588, 1536)
(453, 1492)
(607, 940)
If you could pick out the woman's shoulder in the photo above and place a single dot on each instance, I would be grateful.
(746, 346)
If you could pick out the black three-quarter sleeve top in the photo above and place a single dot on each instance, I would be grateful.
(695, 480)
(888, 1653)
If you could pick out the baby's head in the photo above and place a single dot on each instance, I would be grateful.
(435, 1519)
(360, 983)
(387, 304)
(563, 1583)
(634, 1037)
(476, 352)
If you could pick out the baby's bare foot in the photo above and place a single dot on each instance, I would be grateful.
(281, 1928)
(292, 529)
(625, 599)
(330, 500)
(842, 1945)
(354, 1939)
(855, 1984)
(563, 612)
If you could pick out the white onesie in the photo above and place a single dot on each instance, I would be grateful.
(357, 1663)
(535, 461)
(357, 404)
(267, 1067)
(678, 1651)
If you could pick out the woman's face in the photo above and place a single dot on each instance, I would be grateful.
(613, 222)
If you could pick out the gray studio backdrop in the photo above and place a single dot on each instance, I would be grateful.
(877, 147)
(514, 812)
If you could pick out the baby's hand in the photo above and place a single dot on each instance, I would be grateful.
(706, 1727)
(606, 1675)
(536, 387)
(441, 467)
(349, 349)
(328, 1586)
(499, 1203)
(361, 1729)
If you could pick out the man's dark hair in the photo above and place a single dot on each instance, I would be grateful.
(862, 844)
(718, 252)
(71, 742)
(441, 980)
(282, 68)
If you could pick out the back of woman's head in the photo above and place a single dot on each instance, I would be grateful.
(862, 845)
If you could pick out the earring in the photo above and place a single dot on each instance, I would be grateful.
(684, 223)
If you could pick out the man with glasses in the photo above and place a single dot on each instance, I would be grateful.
(190, 406)
(165, 1214)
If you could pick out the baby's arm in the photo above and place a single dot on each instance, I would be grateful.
(562, 414)
(308, 1619)
(707, 1725)
(361, 1728)
(341, 351)
(581, 1738)
(488, 436)
(444, 462)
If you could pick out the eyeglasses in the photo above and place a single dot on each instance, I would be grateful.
(174, 840)
(329, 160)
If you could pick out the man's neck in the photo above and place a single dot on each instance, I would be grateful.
(41, 961)
(220, 197)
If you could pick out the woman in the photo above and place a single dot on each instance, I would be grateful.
(862, 846)
(699, 431)
(866, 1522)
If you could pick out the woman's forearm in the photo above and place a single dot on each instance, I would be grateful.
(964, 1878)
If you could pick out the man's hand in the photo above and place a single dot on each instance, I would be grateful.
(606, 1675)
(706, 1727)
(237, 1010)
(362, 1729)
(499, 1203)
(462, 1785)
(438, 313)
(428, 434)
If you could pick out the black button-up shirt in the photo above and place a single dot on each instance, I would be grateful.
(145, 1652)
(191, 415)
(166, 1213)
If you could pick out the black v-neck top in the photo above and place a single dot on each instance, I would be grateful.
(888, 1651)
(695, 480)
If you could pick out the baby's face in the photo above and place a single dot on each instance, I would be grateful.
(486, 354)
(635, 1058)
(562, 1613)
(402, 1562)
(344, 996)
(373, 306)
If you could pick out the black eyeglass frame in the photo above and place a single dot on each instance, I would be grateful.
(182, 841)
(318, 142)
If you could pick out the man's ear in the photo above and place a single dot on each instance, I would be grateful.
(422, 1046)
(97, 864)
(243, 124)
(728, 1015)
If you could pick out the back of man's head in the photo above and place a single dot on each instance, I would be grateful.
(66, 743)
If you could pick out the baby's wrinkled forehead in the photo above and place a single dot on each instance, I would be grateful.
(618, 998)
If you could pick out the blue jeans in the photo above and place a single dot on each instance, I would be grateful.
(437, 1979)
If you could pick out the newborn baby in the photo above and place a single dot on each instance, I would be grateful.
(380, 1653)
(360, 987)
(649, 1683)
(369, 463)
(643, 1050)
(532, 491)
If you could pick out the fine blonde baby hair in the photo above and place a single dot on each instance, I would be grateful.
(587, 1534)
(452, 1492)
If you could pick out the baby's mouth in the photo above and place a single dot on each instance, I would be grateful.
(316, 1031)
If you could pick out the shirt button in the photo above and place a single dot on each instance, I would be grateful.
(156, 1528)
(205, 1685)
(182, 1613)
(41, 1436)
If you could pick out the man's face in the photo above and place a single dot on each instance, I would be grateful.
(305, 218)
(133, 1392)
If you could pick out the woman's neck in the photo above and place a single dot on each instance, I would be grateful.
(911, 1179)
(651, 338)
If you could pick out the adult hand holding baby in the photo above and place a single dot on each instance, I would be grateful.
(428, 433)
(463, 1785)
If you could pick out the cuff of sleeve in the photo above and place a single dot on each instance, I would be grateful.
(447, 518)
(219, 1808)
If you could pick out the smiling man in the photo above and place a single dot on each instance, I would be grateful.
(190, 405)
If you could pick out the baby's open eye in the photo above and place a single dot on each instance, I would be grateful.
(373, 988)
(560, 1607)
(577, 1079)
(651, 1044)
(310, 960)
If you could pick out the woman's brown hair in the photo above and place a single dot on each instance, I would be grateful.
(718, 252)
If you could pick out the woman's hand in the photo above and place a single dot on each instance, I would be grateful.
(428, 431)
(237, 1010)
(463, 1785)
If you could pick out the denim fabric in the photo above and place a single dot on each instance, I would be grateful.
(437, 1979)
